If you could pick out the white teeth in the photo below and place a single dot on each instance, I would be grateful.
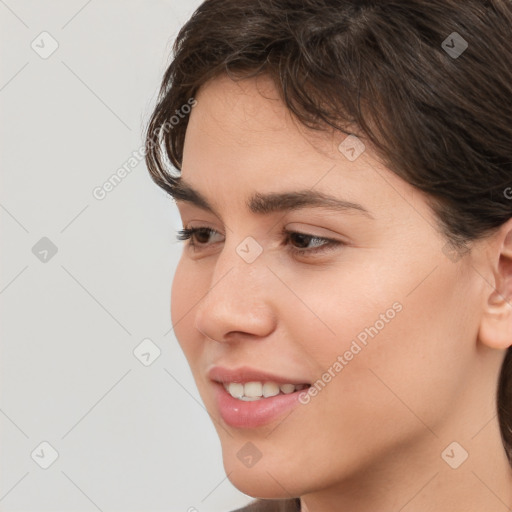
(287, 388)
(270, 389)
(251, 391)
(236, 390)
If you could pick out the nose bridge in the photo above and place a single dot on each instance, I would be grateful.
(240, 267)
(238, 274)
(236, 299)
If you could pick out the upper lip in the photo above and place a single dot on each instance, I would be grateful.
(245, 374)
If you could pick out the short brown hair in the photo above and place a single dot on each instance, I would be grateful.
(440, 119)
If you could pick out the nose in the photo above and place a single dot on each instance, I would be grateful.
(238, 301)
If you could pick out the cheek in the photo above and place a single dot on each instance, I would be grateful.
(331, 308)
(185, 293)
(397, 339)
(411, 369)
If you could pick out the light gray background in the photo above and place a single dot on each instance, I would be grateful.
(129, 437)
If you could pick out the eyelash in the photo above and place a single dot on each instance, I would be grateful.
(188, 233)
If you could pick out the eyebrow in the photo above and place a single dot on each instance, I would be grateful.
(265, 204)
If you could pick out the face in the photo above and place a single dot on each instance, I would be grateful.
(369, 314)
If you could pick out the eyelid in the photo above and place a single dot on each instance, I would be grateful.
(313, 230)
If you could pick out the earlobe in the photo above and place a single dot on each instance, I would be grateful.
(496, 322)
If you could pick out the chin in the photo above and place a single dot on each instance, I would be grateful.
(260, 485)
(265, 480)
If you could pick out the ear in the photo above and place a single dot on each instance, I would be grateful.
(496, 322)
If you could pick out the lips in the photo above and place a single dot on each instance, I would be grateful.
(244, 374)
(242, 415)
(238, 413)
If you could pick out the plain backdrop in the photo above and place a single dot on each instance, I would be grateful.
(91, 419)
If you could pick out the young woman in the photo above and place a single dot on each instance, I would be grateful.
(344, 299)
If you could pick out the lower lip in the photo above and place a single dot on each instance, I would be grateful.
(256, 413)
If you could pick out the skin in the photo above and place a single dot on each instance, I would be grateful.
(372, 439)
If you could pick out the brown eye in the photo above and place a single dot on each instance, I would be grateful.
(197, 236)
(303, 239)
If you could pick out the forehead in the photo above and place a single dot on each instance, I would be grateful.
(242, 139)
(250, 112)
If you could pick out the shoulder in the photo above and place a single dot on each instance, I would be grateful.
(292, 505)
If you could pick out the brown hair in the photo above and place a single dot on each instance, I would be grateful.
(439, 113)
